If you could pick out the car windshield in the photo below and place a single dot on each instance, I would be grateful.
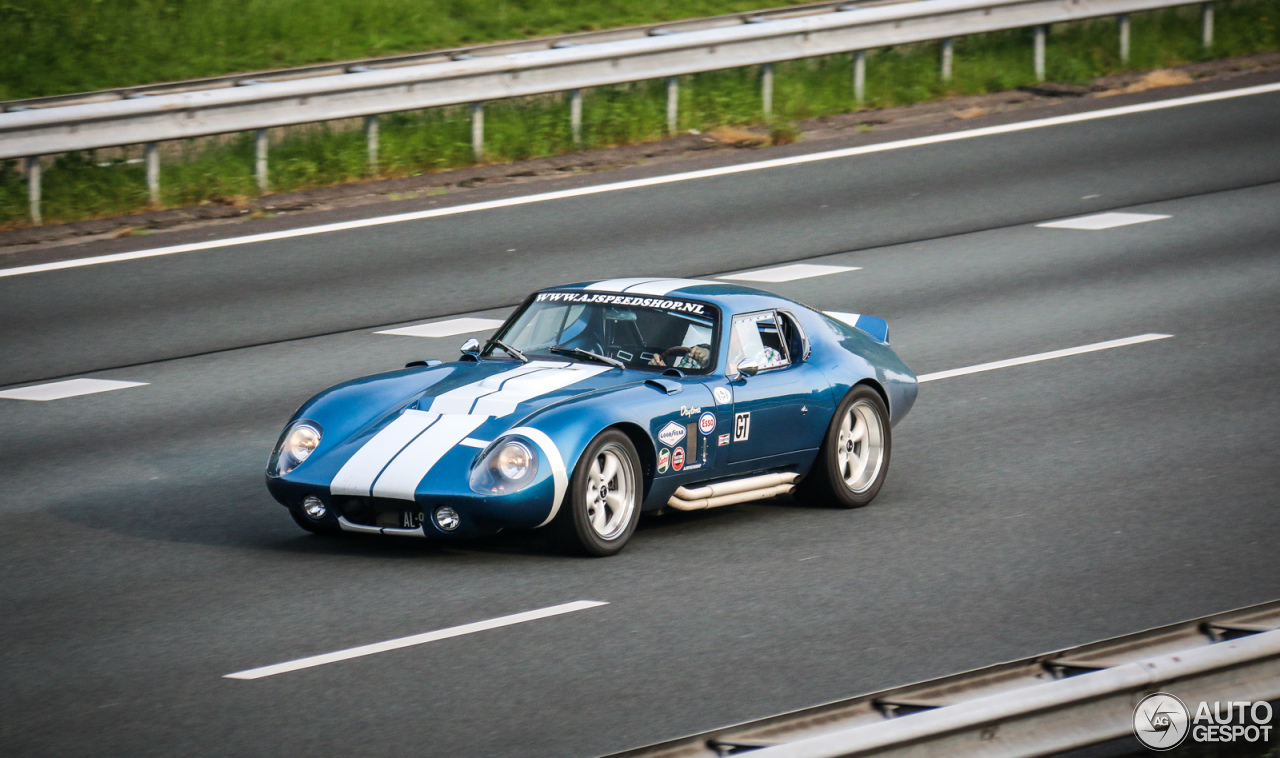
(641, 332)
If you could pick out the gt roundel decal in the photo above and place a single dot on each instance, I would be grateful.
(707, 424)
(741, 426)
(677, 459)
(722, 395)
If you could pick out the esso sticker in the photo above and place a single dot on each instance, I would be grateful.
(677, 459)
(707, 424)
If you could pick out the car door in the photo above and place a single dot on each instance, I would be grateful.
(784, 408)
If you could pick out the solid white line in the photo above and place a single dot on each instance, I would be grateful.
(417, 639)
(657, 180)
(68, 388)
(1042, 357)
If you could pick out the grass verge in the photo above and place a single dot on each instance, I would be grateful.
(89, 185)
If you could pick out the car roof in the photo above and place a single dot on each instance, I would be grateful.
(730, 298)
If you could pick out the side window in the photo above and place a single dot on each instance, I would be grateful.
(794, 338)
(757, 337)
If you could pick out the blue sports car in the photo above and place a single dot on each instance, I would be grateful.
(594, 402)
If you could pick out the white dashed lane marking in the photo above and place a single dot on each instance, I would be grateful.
(68, 388)
(1042, 357)
(417, 639)
(788, 273)
(1100, 221)
(445, 328)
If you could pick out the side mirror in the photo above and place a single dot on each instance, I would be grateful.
(748, 368)
(471, 347)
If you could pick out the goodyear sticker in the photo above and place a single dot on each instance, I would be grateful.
(671, 434)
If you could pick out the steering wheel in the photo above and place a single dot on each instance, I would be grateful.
(677, 351)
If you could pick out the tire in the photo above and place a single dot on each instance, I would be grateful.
(315, 527)
(852, 464)
(588, 524)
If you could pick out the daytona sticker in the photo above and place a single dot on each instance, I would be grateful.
(680, 306)
(664, 459)
(671, 433)
(724, 440)
(741, 427)
(677, 459)
(707, 424)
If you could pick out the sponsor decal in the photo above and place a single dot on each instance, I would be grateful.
(671, 434)
(722, 395)
(664, 460)
(686, 411)
(707, 423)
(724, 440)
(677, 459)
(680, 306)
(741, 426)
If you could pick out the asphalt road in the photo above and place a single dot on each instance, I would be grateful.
(1027, 508)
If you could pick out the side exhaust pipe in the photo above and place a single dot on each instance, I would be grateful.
(732, 492)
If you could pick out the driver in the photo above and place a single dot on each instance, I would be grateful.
(696, 357)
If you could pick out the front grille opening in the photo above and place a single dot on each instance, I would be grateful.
(380, 512)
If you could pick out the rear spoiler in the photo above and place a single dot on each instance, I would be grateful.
(875, 328)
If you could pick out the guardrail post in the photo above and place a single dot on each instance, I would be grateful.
(575, 115)
(33, 189)
(151, 155)
(859, 76)
(766, 89)
(1038, 52)
(673, 103)
(1124, 37)
(1206, 25)
(948, 51)
(371, 142)
(260, 158)
(477, 131)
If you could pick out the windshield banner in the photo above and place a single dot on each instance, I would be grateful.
(679, 306)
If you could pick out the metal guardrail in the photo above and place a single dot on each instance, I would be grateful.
(568, 66)
(1038, 706)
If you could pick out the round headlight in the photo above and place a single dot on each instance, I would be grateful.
(301, 442)
(298, 443)
(508, 466)
(513, 461)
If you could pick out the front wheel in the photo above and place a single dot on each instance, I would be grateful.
(854, 457)
(602, 506)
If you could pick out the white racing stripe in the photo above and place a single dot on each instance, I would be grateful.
(652, 181)
(1042, 357)
(400, 478)
(357, 475)
(396, 460)
(524, 388)
(417, 639)
(663, 286)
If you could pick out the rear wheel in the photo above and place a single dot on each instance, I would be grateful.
(601, 508)
(854, 458)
